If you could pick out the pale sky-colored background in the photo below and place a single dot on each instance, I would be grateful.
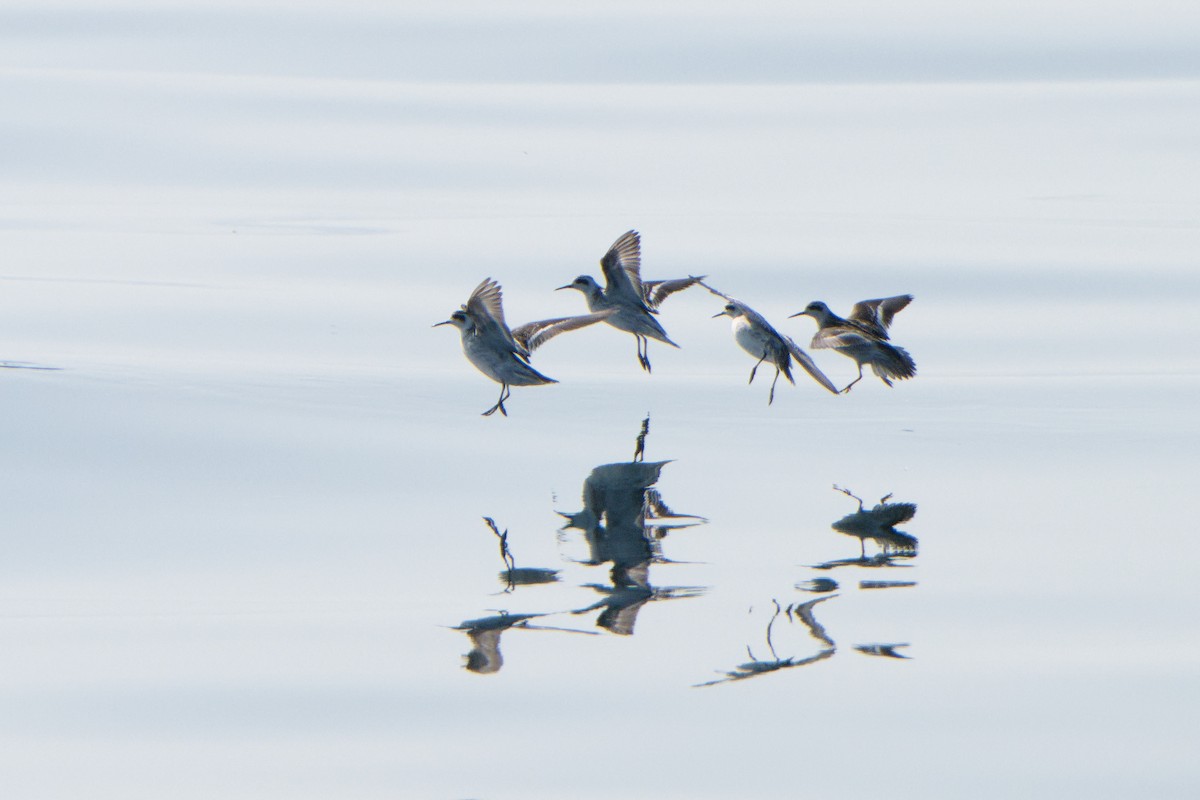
(242, 518)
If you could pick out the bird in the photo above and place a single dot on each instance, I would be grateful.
(863, 337)
(634, 301)
(503, 354)
(756, 336)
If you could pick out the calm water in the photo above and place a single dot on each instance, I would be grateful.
(244, 552)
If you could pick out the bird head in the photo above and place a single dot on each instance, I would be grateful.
(458, 319)
(584, 283)
(732, 309)
(816, 309)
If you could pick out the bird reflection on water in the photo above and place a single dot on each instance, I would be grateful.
(514, 576)
(879, 525)
(803, 614)
(623, 521)
(484, 634)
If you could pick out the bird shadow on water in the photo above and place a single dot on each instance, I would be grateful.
(623, 522)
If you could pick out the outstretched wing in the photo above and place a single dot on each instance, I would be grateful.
(622, 266)
(485, 307)
(533, 335)
(487, 299)
(806, 362)
(711, 289)
(654, 292)
(876, 315)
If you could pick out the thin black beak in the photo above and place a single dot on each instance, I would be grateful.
(447, 322)
(568, 286)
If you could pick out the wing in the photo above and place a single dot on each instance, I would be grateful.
(533, 335)
(487, 299)
(841, 338)
(485, 307)
(622, 266)
(806, 362)
(656, 291)
(876, 315)
(892, 514)
(711, 289)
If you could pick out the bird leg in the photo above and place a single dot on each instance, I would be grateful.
(754, 369)
(771, 397)
(504, 393)
(856, 380)
(853, 496)
(643, 352)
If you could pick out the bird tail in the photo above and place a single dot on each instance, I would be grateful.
(894, 362)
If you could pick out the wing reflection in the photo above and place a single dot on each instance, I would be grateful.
(623, 521)
(484, 634)
(879, 525)
(884, 650)
(803, 614)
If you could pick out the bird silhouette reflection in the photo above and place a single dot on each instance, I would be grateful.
(514, 576)
(879, 525)
(484, 634)
(803, 614)
(623, 521)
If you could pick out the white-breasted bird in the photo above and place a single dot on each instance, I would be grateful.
(633, 301)
(503, 354)
(756, 336)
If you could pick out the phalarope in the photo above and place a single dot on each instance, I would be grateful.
(756, 336)
(863, 337)
(634, 301)
(503, 354)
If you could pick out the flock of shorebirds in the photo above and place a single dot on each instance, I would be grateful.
(628, 303)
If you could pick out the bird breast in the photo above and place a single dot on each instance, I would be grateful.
(749, 338)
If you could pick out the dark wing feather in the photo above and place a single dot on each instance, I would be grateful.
(485, 307)
(876, 315)
(622, 266)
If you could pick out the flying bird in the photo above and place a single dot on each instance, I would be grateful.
(634, 302)
(863, 337)
(502, 353)
(756, 336)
